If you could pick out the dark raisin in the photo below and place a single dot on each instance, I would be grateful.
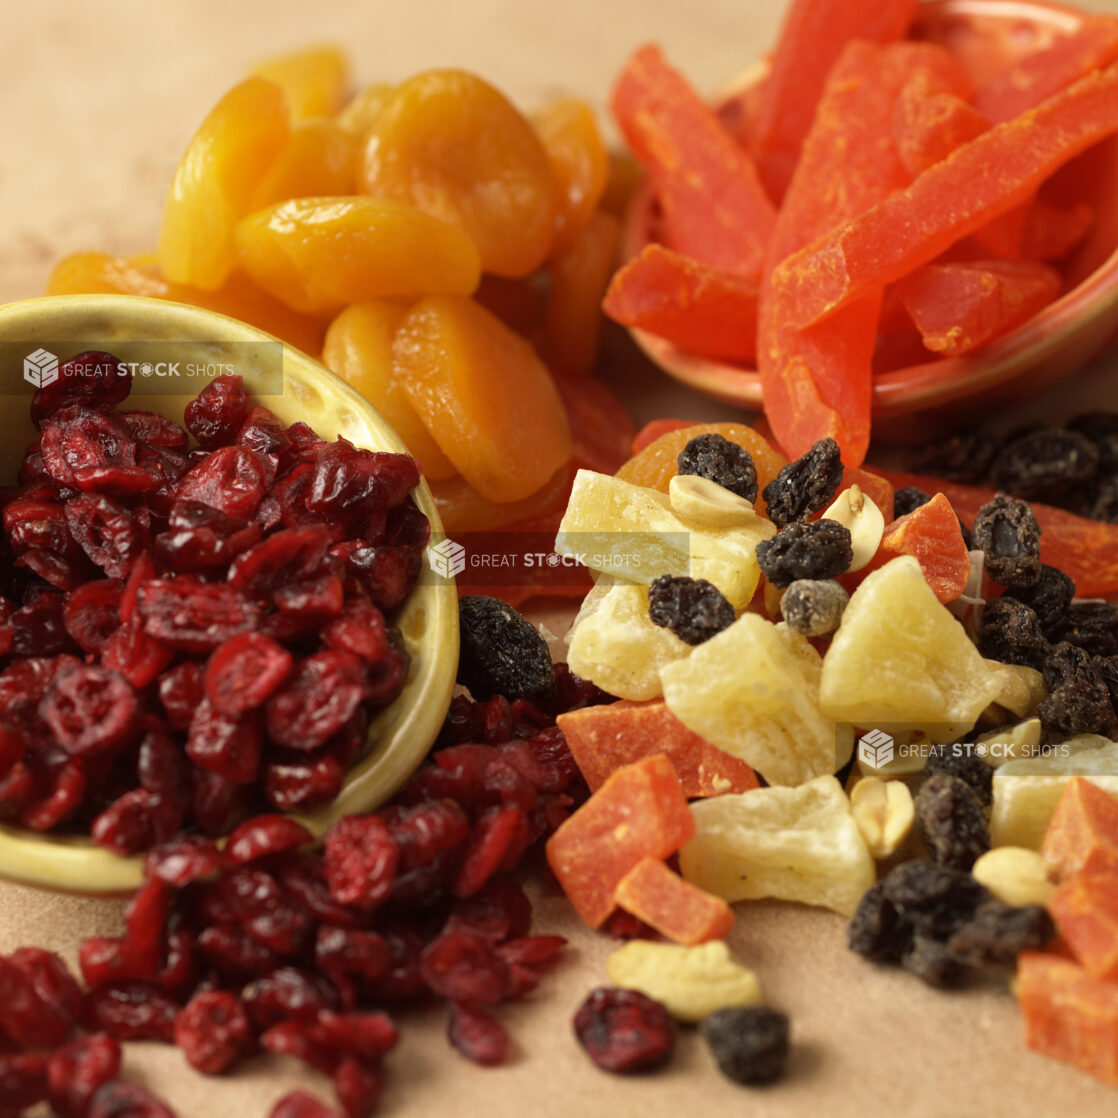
(624, 1031)
(502, 653)
(1007, 533)
(1078, 699)
(934, 899)
(952, 820)
(967, 766)
(749, 1044)
(877, 930)
(997, 933)
(1045, 465)
(721, 461)
(820, 549)
(965, 457)
(1096, 425)
(692, 608)
(806, 485)
(813, 607)
(1107, 667)
(1104, 506)
(1092, 626)
(908, 499)
(1011, 634)
(1048, 597)
(930, 960)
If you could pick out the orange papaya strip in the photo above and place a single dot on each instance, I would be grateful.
(1085, 549)
(959, 307)
(813, 35)
(714, 206)
(1037, 76)
(682, 912)
(1051, 232)
(928, 127)
(985, 178)
(817, 384)
(701, 310)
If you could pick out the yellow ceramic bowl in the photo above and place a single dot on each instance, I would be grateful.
(937, 394)
(401, 736)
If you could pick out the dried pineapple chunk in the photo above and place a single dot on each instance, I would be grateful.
(690, 982)
(617, 647)
(1020, 689)
(798, 844)
(900, 658)
(753, 690)
(1026, 791)
(632, 532)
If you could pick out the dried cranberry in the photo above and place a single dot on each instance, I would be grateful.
(180, 692)
(624, 1031)
(105, 959)
(131, 1011)
(91, 710)
(303, 875)
(351, 951)
(135, 655)
(244, 671)
(229, 746)
(75, 1073)
(358, 1085)
(187, 858)
(290, 555)
(58, 800)
(316, 701)
(135, 821)
(292, 785)
(476, 1034)
(495, 830)
(361, 857)
(234, 953)
(126, 1100)
(213, 1030)
(232, 480)
(264, 835)
(37, 629)
(111, 535)
(149, 428)
(367, 1036)
(191, 615)
(464, 966)
(359, 628)
(385, 573)
(76, 438)
(298, 1104)
(348, 482)
(93, 378)
(39, 998)
(23, 1080)
(214, 416)
(288, 994)
(41, 525)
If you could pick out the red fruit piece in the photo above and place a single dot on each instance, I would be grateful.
(135, 655)
(931, 534)
(92, 378)
(295, 785)
(39, 525)
(105, 959)
(111, 535)
(368, 1036)
(126, 1100)
(215, 415)
(500, 911)
(624, 1031)
(180, 692)
(290, 555)
(201, 538)
(427, 830)
(146, 916)
(234, 953)
(131, 1011)
(186, 859)
(531, 950)
(91, 710)
(149, 428)
(299, 1104)
(268, 912)
(39, 998)
(465, 966)
(358, 1086)
(136, 821)
(37, 628)
(229, 746)
(23, 1080)
(194, 616)
(360, 628)
(76, 438)
(494, 832)
(75, 1073)
(264, 835)
(317, 700)
(476, 1034)
(361, 857)
(263, 433)
(231, 480)
(348, 483)
(288, 994)
(58, 802)
(1085, 908)
(1082, 835)
(350, 951)
(213, 1031)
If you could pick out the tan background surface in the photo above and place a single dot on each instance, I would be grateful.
(97, 101)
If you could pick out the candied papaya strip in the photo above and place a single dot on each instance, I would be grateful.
(714, 206)
(960, 306)
(702, 310)
(1051, 232)
(1085, 549)
(931, 535)
(985, 178)
(928, 127)
(601, 428)
(1085, 908)
(813, 35)
(817, 383)
(678, 910)
(1082, 835)
(1024, 84)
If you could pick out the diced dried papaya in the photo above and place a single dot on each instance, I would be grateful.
(1034, 78)
(1086, 549)
(570, 135)
(579, 275)
(653, 429)
(817, 384)
(463, 509)
(601, 430)
(318, 254)
(358, 348)
(484, 395)
(931, 534)
(457, 148)
(315, 81)
(213, 187)
(1082, 836)
(682, 912)
(928, 127)
(604, 738)
(812, 37)
(320, 159)
(1085, 908)
(702, 310)
(982, 179)
(657, 464)
(1051, 232)
(714, 206)
(640, 812)
(959, 307)
(1069, 1015)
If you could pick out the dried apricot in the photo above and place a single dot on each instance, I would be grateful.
(320, 159)
(315, 81)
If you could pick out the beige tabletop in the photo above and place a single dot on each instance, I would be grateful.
(97, 100)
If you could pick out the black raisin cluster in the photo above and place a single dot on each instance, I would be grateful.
(1073, 467)
(952, 820)
(502, 653)
(819, 549)
(721, 461)
(940, 923)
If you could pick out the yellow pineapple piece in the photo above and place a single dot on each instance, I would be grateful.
(617, 646)
(1026, 791)
(634, 533)
(901, 659)
(798, 844)
(753, 690)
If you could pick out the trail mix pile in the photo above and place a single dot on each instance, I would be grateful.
(191, 635)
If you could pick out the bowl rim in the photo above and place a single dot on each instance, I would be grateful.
(932, 383)
(428, 619)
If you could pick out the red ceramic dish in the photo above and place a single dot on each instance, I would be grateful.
(1049, 347)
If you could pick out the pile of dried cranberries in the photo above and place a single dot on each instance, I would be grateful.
(191, 636)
